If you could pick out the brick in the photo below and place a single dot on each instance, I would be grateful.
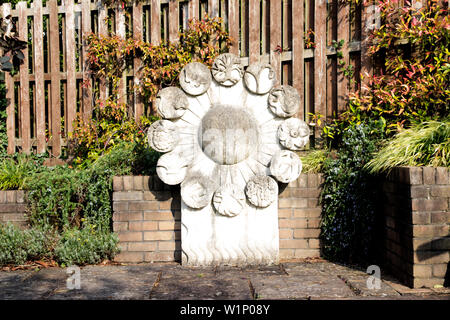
(293, 244)
(14, 217)
(117, 184)
(422, 271)
(127, 216)
(308, 213)
(138, 183)
(177, 235)
(166, 205)
(421, 218)
(440, 270)
(306, 233)
(440, 191)
(177, 214)
(169, 245)
(421, 244)
(127, 196)
(120, 226)
(430, 230)
(127, 236)
(12, 208)
(158, 215)
(166, 256)
(123, 246)
(299, 223)
(441, 244)
(293, 203)
(20, 196)
(313, 180)
(286, 193)
(429, 204)
(305, 193)
(313, 223)
(307, 253)
(415, 175)
(142, 246)
(427, 283)
(321, 178)
(120, 206)
(287, 253)
(440, 217)
(314, 243)
(313, 203)
(284, 213)
(431, 257)
(158, 235)
(146, 183)
(2, 196)
(149, 196)
(428, 175)
(293, 184)
(158, 185)
(128, 183)
(143, 206)
(169, 225)
(284, 223)
(285, 233)
(420, 191)
(11, 196)
(302, 181)
(442, 175)
(143, 225)
(132, 257)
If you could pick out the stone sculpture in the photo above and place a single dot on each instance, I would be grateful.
(227, 137)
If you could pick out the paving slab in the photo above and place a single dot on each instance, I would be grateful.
(169, 281)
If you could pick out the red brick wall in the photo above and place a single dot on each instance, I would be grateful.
(13, 207)
(147, 219)
(417, 219)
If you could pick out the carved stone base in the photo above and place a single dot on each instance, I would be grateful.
(250, 238)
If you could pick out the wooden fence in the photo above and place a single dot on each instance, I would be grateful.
(51, 89)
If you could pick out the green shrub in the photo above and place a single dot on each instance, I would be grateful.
(18, 246)
(348, 196)
(16, 170)
(86, 246)
(426, 144)
(313, 161)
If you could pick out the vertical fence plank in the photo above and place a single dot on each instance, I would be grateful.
(71, 96)
(174, 21)
(137, 35)
(297, 53)
(102, 31)
(87, 83)
(24, 96)
(213, 8)
(367, 17)
(320, 58)
(55, 102)
(275, 37)
(120, 32)
(343, 34)
(193, 9)
(156, 22)
(39, 76)
(233, 24)
(254, 28)
(10, 122)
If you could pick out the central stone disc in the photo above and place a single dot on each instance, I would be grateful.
(228, 134)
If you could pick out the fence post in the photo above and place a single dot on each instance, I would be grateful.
(298, 64)
(38, 51)
(24, 96)
(320, 59)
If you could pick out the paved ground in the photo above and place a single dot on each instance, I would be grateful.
(306, 280)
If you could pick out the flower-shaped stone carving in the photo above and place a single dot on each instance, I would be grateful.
(163, 136)
(284, 101)
(227, 69)
(293, 134)
(230, 135)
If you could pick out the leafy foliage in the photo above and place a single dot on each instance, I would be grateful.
(348, 209)
(313, 161)
(15, 171)
(18, 246)
(85, 246)
(11, 45)
(427, 144)
(413, 84)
